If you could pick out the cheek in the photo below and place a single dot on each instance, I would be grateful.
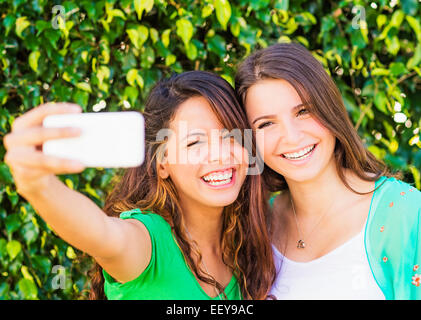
(316, 129)
(239, 154)
(266, 143)
(180, 173)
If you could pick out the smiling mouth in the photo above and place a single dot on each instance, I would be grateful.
(300, 155)
(219, 178)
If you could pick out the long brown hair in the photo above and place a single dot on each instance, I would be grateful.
(244, 239)
(294, 63)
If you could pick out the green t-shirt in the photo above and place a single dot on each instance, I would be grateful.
(167, 277)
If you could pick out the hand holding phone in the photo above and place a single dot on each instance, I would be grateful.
(108, 139)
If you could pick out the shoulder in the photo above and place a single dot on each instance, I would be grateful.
(158, 228)
(394, 192)
(148, 218)
(396, 203)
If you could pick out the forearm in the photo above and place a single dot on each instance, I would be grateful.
(74, 217)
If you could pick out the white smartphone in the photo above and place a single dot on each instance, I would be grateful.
(108, 139)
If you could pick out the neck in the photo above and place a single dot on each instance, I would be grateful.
(315, 196)
(204, 225)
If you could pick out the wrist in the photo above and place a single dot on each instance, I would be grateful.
(40, 188)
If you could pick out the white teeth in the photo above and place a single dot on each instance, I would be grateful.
(302, 154)
(216, 179)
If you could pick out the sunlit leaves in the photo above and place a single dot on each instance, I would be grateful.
(28, 289)
(184, 30)
(142, 5)
(13, 248)
(21, 24)
(223, 12)
(138, 35)
(133, 77)
(33, 60)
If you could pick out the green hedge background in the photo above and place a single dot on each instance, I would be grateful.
(106, 55)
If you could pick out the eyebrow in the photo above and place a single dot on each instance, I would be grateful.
(269, 116)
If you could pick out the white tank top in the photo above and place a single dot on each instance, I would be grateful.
(342, 274)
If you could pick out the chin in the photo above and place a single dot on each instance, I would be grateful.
(299, 175)
(220, 200)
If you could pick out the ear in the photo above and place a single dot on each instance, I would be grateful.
(163, 171)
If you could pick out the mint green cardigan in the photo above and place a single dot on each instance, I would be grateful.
(392, 239)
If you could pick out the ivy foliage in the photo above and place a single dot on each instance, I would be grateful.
(106, 55)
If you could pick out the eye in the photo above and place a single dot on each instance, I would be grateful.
(302, 112)
(190, 144)
(264, 124)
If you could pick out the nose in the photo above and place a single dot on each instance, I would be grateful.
(290, 133)
(219, 150)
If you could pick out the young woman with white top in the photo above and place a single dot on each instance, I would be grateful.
(343, 227)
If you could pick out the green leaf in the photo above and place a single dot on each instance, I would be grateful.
(170, 59)
(393, 45)
(381, 20)
(166, 37)
(142, 5)
(41, 263)
(33, 60)
(223, 12)
(380, 101)
(70, 253)
(415, 59)
(3, 250)
(415, 25)
(207, 11)
(81, 98)
(13, 248)
(12, 195)
(84, 86)
(138, 35)
(131, 93)
(397, 68)
(417, 176)
(148, 58)
(28, 289)
(134, 77)
(13, 223)
(184, 30)
(328, 23)
(217, 45)
(397, 18)
(4, 95)
(8, 23)
(4, 290)
(5, 174)
(29, 232)
(21, 24)
(410, 7)
(154, 34)
(191, 51)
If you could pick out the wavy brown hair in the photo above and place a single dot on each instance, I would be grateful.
(244, 239)
(294, 63)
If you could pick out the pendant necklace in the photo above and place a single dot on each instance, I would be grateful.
(301, 243)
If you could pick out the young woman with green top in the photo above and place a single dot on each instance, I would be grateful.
(342, 226)
(180, 226)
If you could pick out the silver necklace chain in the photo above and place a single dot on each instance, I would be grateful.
(301, 243)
